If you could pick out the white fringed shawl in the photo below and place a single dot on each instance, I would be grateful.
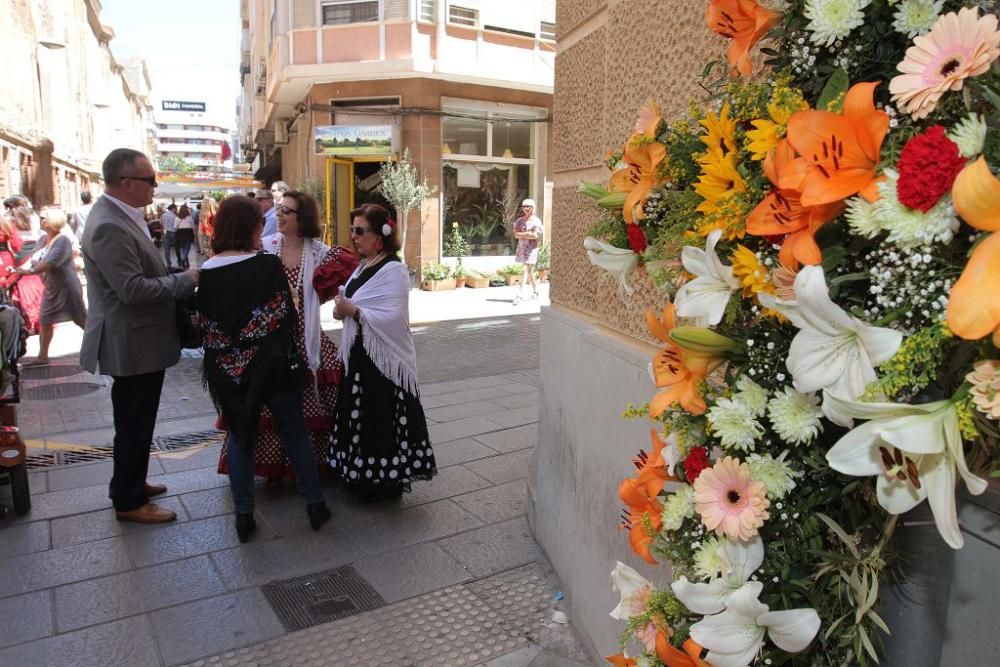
(384, 301)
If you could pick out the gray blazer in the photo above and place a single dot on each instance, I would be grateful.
(131, 323)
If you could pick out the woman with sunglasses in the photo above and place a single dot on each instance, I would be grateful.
(380, 442)
(314, 271)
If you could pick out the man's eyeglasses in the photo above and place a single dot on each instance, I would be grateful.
(360, 231)
(149, 180)
(286, 210)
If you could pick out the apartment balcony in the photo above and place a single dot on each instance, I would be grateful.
(213, 149)
(209, 135)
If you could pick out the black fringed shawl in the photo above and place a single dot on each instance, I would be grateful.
(249, 321)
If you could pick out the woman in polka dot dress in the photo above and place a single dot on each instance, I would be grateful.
(380, 442)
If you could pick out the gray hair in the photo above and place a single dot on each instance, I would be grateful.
(280, 186)
(116, 162)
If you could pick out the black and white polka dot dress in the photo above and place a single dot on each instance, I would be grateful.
(379, 442)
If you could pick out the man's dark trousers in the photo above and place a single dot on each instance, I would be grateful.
(135, 400)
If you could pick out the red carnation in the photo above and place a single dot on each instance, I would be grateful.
(928, 165)
(636, 239)
(694, 463)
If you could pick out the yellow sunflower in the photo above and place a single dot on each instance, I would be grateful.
(751, 273)
(767, 133)
(720, 137)
(719, 180)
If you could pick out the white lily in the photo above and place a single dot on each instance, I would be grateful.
(735, 637)
(914, 450)
(832, 350)
(619, 262)
(634, 589)
(705, 298)
(739, 561)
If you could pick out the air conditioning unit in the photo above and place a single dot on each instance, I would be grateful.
(280, 134)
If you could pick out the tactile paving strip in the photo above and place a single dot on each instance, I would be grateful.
(302, 602)
(452, 627)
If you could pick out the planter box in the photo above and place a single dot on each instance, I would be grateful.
(435, 285)
(513, 280)
(477, 282)
(460, 283)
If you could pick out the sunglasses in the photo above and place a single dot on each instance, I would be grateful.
(286, 210)
(360, 231)
(149, 180)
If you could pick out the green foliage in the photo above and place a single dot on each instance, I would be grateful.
(455, 244)
(405, 189)
(175, 164)
(510, 270)
(544, 256)
(435, 271)
(914, 366)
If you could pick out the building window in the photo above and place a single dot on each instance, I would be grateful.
(427, 10)
(466, 136)
(484, 199)
(463, 16)
(350, 11)
(547, 30)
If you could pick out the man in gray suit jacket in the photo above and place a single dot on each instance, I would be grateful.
(131, 329)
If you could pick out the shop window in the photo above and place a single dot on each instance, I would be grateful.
(342, 12)
(427, 10)
(464, 136)
(512, 139)
(547, 30)
(484, 199)
(463, 16)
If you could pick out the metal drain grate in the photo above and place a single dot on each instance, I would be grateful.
(49, 372)
(66, 457)
(170, 443)
(164, 443)
(303, 602)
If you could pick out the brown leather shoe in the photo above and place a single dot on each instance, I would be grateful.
(155, 490)
(148, 513)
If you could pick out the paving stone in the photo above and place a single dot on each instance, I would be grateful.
(502, 468)
(497, 391)
(518, 417)
(528, 399)
(187, 539)
(38, 482)
(118, 596)
(450, 481)
(186, 481)
(190, 631)
(76, 476)
(494, 548)
(553, 659)
(461, 428)
(455, 452)
(412, 571)
(122, 644)
(403, 527)
(190, 459)
(45, 569)
(461, 411)
(102, 524)
(257, 563)
(26, 618)
(511, 439)
(211, 502)
(496, 503)
(519, 658)
(67, 503)
(435, 388)
(24, 538)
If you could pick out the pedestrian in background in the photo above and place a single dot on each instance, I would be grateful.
(265, 199)
(79, 220)
(206, 222)
(252, 362)
(380, 441)
(131, 331)
(25, 290)
(527, 231)
(62, 300)
(184, 236)
(168, 221)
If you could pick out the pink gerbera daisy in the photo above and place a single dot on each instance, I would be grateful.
(729, 502)
(957, 47)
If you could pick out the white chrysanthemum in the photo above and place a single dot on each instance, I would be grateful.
(795, 416)
(677, 507)
(916, 17)
(707, 563)
(909, 227)
(970, 135)
(830, 20)
(752, 395)
(777, 476)
(861, 219)
(734, 424)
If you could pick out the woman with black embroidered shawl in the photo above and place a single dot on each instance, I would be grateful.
(380, 442)
(251, 359)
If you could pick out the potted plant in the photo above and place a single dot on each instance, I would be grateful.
(456, 246)
(542, 266)
(406, 190)
(476, 279)
(511, 273)
(437, 277)
(461, 275)
(496, 280)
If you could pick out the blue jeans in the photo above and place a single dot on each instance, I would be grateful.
(289, 418)
(170, 244)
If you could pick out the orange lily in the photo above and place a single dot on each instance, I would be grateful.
(839, 152)
(744, 22)
(678, 371)
(621, 661)
(672, 657)
(974, 304)
(638, 178)
(782, 212)
(643, 519)
(652, 468)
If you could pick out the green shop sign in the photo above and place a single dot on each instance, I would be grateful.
(353, 139)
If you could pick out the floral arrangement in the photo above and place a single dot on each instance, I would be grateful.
(823, 228)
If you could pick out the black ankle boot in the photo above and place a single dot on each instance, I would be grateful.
(245, 525)
(318, 513)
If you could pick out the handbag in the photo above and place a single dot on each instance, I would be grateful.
(188, 326)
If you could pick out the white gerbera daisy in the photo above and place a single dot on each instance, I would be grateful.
(734, 424)
(830, 20)
(970, 135)
(909, 227)
(861, 219)
(707, 563)
(775, 473)
(752, 395)
(916, 17)
(795, 416)
(677, 507)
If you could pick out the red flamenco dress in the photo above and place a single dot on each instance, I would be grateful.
(25, 290)
(333, 269)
